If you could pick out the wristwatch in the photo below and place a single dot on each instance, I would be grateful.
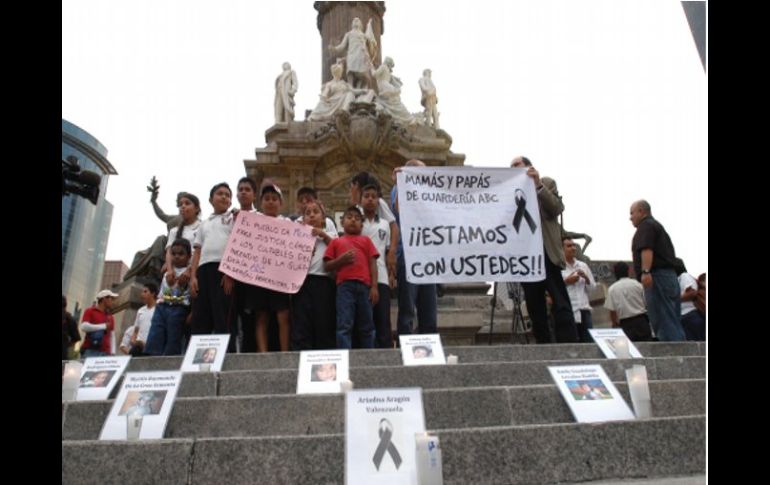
(645, 271)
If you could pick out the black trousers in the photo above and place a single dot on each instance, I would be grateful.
(564, 329)
(314, 314)
(212, 310)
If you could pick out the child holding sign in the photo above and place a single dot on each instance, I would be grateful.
(268, 300)
(353, 257)
(313, 316)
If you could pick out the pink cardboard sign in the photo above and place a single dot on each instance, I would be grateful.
(268, 252)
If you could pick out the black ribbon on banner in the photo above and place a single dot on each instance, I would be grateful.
(386, 433)
(521, 211)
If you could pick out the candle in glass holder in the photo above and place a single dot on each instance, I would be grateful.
(346, 385)
(428, 458)
(134, 426)
(621, 348)
(71, 380)
(639, 390)
(451, 359)
(205, 367)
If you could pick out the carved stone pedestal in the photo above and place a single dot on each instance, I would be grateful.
(326, 154)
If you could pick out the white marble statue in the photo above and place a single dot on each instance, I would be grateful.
(336, 95)
(389, 93)
(360, 48)
(429, 99)
(285, 87)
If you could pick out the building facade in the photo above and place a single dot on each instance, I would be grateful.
(114, 271)
(85, 227)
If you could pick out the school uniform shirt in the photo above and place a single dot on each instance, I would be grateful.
(378, 230)
(188, 232)
(212, 237)
(143, 322)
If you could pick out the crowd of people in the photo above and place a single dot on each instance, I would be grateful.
(344, 301)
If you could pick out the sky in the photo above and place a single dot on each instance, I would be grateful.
(609, 97)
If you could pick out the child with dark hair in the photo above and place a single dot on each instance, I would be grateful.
(306, 195)
(143, 320)
(189, 212)
(313, 315)
(353, 256)
(268, 301)
(211, 289)
(173, 306)
(378, 230)
(245, 295)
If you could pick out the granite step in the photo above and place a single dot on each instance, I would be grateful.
(297, 415)
(533, 454)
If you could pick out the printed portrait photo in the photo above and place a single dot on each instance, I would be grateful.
(588, 390)
(323, 373)
(142, 403)
(205, 355)
(98, 378)
(422, 351)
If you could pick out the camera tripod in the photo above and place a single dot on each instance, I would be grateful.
(520, 328)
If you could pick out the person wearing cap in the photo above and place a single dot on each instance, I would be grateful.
(267, 301)
(98, 325)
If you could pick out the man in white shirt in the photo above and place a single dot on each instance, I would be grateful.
(579, 281)
(625, 301)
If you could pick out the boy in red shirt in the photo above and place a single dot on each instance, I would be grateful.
(352, 256)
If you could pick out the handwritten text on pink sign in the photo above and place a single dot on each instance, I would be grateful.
(268, 252)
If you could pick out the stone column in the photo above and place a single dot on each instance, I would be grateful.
(334, 19)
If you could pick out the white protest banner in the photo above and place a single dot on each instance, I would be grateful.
(99, 376)
(205, 353)
(590, 394)
(465, 224)
(422, 349)
(609, 338)
(321, 371)
(268, 252)
(145, 400)
(380, 427)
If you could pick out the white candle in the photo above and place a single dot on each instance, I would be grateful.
(621, 348)
(205, 367)
(451, 359)
(346, 385)
(134, 426)
(428, 458)
(71, 380)
(639, 391)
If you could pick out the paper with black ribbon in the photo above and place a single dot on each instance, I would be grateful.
(380, 427)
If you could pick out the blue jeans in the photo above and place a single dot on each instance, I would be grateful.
(92, 353)
(423, 297)
(664, 306)
(354, 313)
(165, 337)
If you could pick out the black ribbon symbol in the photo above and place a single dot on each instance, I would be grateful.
(521, 211)
(386, 433)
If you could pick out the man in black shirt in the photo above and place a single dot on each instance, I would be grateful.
(654, 265)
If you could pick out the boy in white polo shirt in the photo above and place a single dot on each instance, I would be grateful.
(378, 230)
(213, 290)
